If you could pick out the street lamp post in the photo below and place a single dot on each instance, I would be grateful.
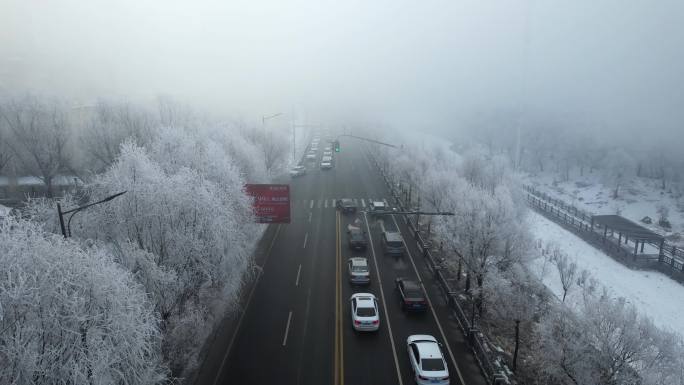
(265, 118)
(66, 231)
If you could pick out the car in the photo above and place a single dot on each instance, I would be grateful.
(297, 171)
(346, 205)
(357, 238)
(326, 159)
(392, 243)
(327, 148)
(377, 207)
(358, 271)
(325, 165)
(364, 312)
(311, 156)
(411, 295)
(427, 360)
(327, 153)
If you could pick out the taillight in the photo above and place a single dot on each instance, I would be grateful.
(357, 322)
(444, 378)
(375, 322)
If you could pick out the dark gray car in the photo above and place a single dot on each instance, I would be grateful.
(392, 243)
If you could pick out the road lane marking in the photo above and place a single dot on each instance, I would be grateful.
(299, 272)
(310, 217)
(249, 301)
(432, 309)
(311, 205)
(325, 203)
(337, 307)
(306, 236)
(339, 280)
(287, 328)
(384, 302)
(363, 203)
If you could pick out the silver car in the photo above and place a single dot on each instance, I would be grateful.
(358, 271)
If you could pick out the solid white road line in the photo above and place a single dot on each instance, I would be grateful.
(287, 328)
(434, 314)
(249, 300)
(325, 203)
(384, 302)
(306, 236)
(299, 272)
(363, 203)
(311, 205)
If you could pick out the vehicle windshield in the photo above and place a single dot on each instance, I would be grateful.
(395, 244)
(432, 364)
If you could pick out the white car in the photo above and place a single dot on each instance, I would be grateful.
(364, 312)
(325, 165)
(327, 148)
(358, 271)
(311, 156)
(297, 171)
(427, 360)
(327, 153)
(326, 159)
(377, 206)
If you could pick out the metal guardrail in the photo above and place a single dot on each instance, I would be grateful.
(487, 359)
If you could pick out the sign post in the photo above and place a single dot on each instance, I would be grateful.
(271, 202)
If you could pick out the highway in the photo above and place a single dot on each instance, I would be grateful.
(296, 325)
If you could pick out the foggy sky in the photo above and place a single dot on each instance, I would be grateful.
(428, 65)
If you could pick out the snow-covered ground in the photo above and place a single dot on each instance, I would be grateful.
(640, 197)
(653, 293)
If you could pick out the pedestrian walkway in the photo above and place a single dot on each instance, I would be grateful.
(329, 203)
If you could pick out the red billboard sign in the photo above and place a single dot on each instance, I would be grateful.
(271, 202)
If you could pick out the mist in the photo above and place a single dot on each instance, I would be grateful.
(610, 67)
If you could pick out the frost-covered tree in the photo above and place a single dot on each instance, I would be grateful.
(109, 126)
(618, 168)
(187, 210)
(70, 315)
(39, 136)
(567, 270)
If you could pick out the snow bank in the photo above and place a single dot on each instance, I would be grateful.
(652, 293)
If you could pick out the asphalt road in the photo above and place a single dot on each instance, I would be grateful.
(296, 327)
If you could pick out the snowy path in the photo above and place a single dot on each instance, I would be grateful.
(652, 293)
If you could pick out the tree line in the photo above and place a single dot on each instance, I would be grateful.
(135, 293)
(599, 339)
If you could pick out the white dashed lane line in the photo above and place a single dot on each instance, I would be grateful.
(287, 328)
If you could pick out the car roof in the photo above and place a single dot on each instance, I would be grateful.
(393, 236)
(359, 261)
(427, 346)
(428, 349)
